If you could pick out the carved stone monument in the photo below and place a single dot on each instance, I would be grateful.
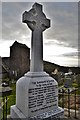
(36, 91)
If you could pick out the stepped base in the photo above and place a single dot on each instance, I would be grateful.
(16, 113)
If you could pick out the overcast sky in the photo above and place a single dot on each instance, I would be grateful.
(40, 0)
(60, 40)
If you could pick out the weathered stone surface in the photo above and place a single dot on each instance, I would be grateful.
(36, 91)
(37, 96)
(37, 22)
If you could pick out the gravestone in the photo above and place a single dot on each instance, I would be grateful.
(68, 80)
(36, 91)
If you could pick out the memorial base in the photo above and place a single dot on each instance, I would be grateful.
(36, 97)
(17, 114)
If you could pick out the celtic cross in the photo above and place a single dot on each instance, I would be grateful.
(37, 22)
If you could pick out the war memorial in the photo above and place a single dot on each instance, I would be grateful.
(36, 91)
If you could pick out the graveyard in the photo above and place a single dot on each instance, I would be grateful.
(12, 99)
(62, 94)
(38, 92)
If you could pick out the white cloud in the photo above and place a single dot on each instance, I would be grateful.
(5, 48)
(57, 50)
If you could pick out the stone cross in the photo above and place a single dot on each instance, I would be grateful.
(36, 83)
(37, 22)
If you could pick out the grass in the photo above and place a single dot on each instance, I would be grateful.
(78, 91)
(11, 99)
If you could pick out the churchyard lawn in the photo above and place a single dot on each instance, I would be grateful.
(12, 98)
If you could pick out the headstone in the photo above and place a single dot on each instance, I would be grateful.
(68, 80)
(36, 91)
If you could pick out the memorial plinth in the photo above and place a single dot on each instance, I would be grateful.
(36, 91)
